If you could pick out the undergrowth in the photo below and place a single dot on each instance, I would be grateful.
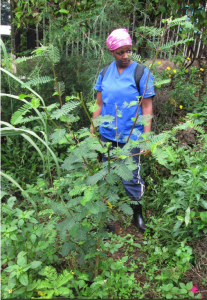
(54, 242)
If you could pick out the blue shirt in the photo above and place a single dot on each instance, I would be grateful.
(117, 91)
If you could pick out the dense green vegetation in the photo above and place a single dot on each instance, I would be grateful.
(57, 195)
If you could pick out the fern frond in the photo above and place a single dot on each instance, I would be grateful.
(112, 194)
(132, 103)
(63, 279)
(59, 208)
(65, 109)
(32, 118)
(155, 141)
(92, 144)
(97, 176)
(142, 119)
(69, 98)
(112, 178)
(183, 126)
(71, 162)
(54, 53)
(78, 190)
(179, 21)
(151, 31)
(171, 44)
(17, 116)
(100, 120)
(37, 81)
(171, 154)
(82, 150)
(89, 194)
(135, 57)
(126, 208)
(61, 87)
(57, 135)
(122, 170)
(45, 212)
(74, 201)
(83, 132)
(71, 118)
(161, 156)
(199, 129)
(161, 82)
(24, 58)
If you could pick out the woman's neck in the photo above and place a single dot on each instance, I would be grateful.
(121, 68)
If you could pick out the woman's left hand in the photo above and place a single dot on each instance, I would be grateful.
(146, 152)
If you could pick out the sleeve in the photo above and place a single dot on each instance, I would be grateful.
(150, 85)
(98, 85)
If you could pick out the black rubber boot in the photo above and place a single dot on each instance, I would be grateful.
(138, 218)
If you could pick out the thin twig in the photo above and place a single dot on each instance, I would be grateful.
(117, 144)
(97, 259)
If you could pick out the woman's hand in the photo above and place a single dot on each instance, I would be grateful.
(146, 152)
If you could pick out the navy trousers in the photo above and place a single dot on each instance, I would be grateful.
(135, 187)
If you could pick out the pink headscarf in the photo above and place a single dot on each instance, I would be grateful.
(118, 38)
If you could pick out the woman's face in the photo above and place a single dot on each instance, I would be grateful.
(122, 56)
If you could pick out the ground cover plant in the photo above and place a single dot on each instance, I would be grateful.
(54, 242)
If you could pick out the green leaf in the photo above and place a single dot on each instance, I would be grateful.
(203, 216)
(63, 279)
(93, 207)
(126, 209)
(189, 285)
(11, 268)
(44, 285)
(180, 218)
(63, 11)
(21, 254)
(21, 261)
(122, 170)
(203, 203)
(20, 222)
(51, 106)
(187, 216)
(57, 135)
(191, 294)
(67, 224)
(88, 194)
(64, 110)
(97, 176)
(3, 193)
(182, 285)
(59, 208)
(177, 226)
(35, 102)
(12, 282)
(23, 278)
(32, 286)
(35, 264)
(67, 247)
(33, 238)
(18, 115)
(37, 81)
(82, 234)
(167, 287)
(19, 291)
(183, 291)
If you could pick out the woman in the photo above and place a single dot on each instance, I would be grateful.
(116, 88)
